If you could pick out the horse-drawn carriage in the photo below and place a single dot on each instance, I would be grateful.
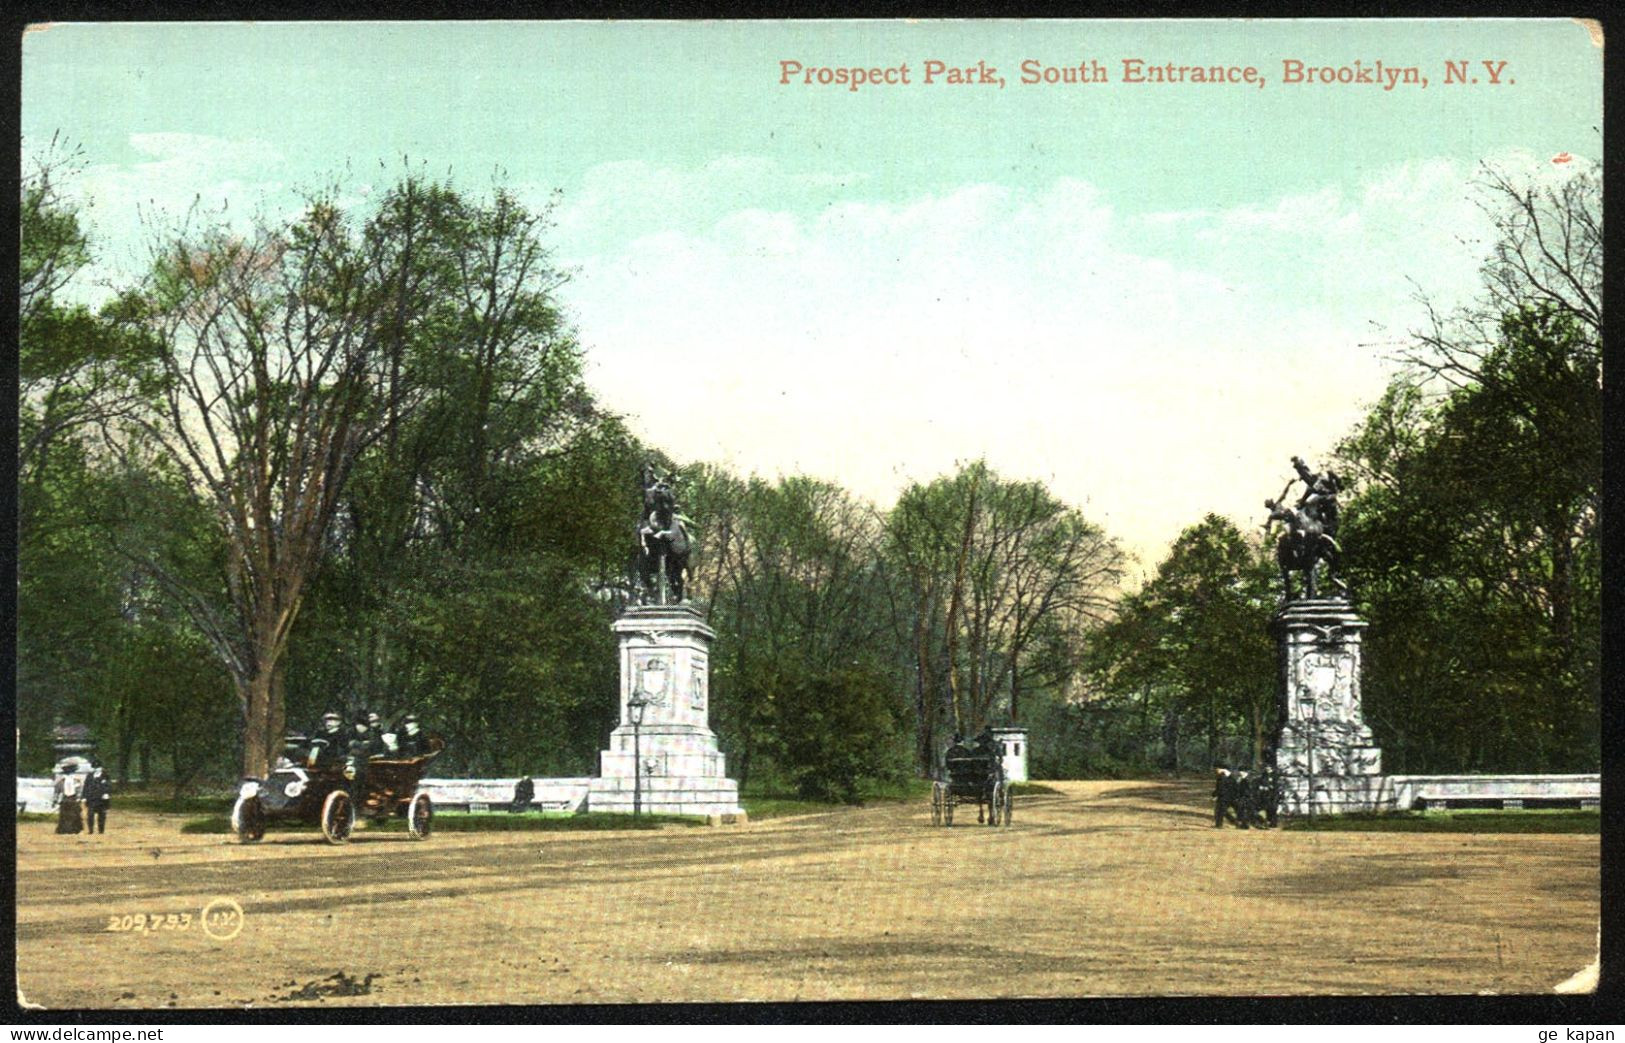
(972, 778)
(329, 795)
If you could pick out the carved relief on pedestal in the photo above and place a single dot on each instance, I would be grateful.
(1325, 747)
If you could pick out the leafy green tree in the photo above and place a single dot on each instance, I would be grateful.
(1473, 532)
(77, 370)
(998, 584)
(835, 729)
(1194, 643)
(480, 545)
(78, 373)
(797, 595)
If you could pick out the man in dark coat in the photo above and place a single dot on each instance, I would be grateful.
(1246, 791)
(98, 797)
(1269, 795)
(360, 753)
(524, 791)
(409, 743)
(329, 746)
(1224, 794)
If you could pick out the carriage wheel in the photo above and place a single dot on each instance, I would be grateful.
(338, 817)
(995, 804)
(948, 802)
(1009, 803)
(936, 803)
(248, 819)
(420, 817)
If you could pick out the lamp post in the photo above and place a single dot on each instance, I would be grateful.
(1307, 700)
(635, 708)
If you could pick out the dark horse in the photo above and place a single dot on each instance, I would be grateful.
(1304, 545)
(663, 541)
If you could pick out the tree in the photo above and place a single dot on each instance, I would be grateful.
(1023, 577)
(1195, 640)
(1473, 531)
(76, 370)
(78, 373)
(797, 595)
(271, 349)
(480, 533)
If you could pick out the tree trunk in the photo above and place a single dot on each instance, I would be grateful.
(1170, 740)
(954, 605)
(255, 694)
(277, 713)
(1212, 728)
(1257, 715)
(1015, 690)
(1567, 699)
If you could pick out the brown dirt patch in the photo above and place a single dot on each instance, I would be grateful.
(1105, 888)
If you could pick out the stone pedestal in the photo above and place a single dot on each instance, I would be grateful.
(672, 758)
(1325, 754)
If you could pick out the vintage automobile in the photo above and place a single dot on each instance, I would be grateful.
(972, 778)
(328, 795)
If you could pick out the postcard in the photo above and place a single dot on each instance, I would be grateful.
(589, 512)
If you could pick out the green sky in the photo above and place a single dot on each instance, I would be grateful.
(1089, 284)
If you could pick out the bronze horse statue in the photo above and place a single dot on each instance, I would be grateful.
(663, 542)
(1305, 544)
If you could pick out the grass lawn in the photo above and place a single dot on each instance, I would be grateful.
(1465, 820)
(762, 802)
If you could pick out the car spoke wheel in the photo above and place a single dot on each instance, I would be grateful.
(338, 817)
(948, 809)
(936, 803)
(420, 817)
(1009, 803)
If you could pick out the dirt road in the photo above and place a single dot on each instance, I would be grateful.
(1109, 888)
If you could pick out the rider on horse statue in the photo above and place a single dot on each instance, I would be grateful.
(1311, 535)
(663, 541)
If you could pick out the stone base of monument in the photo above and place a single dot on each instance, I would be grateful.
(668, 763)
(1326, 757)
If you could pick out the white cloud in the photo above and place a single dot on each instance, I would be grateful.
(882, 342)
(1151, 367)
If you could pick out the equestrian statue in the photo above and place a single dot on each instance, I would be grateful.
(1311, 531)
(663, 543)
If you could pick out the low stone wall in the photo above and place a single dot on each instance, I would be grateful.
(35, 795)
(1411, 791)
(568, 795)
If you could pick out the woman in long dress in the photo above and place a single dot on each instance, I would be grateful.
(70, 815)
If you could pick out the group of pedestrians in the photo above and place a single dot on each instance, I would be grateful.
(1248, 799)
(82, 800)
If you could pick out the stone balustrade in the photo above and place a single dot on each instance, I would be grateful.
(1411, 791)
(568, 795)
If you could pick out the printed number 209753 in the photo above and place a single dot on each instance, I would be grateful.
(149, 922)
